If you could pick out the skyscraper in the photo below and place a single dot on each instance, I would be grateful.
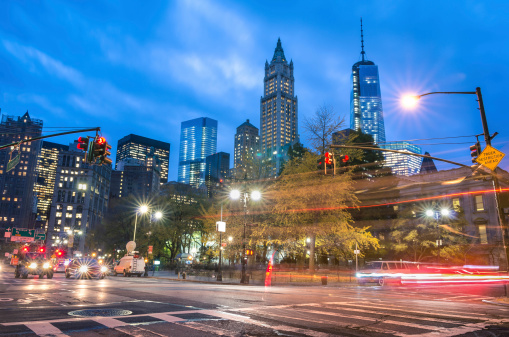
(278, 111)
(198, 139)
(18, 202)
(134, 177)
(247, 143)
(402, 164)
(217, 170)
(366, 112)
(142, 148)
(47, 163)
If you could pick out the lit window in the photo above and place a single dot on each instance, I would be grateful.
(479, 204)
(483, 237)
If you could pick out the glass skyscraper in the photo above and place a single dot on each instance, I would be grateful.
(402, 164)
(366, 112)
(198, 139)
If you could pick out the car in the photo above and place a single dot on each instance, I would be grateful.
(59, 266)
(85, 268)
(384, 272)
(33, 264)
(130, 265)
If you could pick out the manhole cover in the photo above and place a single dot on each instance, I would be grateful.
(100, 312)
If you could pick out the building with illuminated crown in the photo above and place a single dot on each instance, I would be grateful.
(278, 111)
(366, 112)
(198, 139)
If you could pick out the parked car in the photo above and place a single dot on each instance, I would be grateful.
(85, 268)
(130, 265)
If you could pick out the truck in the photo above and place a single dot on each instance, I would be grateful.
(130, 264)
(33, 261)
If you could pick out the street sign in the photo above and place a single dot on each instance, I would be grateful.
(150, 248)
(221, 226)
(490, 157)
(356, 251)
(22, 235)
(223, 244)
(40, 236)
(6, 254)
(13, 162)
(15, 251)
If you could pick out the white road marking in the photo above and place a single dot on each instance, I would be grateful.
(44, 329)
(109, 322)
(210, 329)
(168, 318)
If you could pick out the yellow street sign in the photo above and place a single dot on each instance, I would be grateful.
(490, 157)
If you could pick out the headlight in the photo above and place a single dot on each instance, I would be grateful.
(33, 265)
(46, 265)
(104, 269)
(66, 263)
(83, 269)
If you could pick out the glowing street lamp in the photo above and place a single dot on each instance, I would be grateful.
(158, 215)
(142, 210)
(410, 101)
(437, 215)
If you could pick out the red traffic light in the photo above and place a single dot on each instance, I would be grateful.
(328, 158)
(82, 143)
(59, 253)
(42, 250)
(345, 158)
(100, 140)
(25, 249)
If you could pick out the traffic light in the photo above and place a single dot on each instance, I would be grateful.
(320, 163)
(25, 249)
(475, 151)
(42, 249)
(329, 157)
(59, 253)
(83, 143)
(100, 151)
(343, 159)
(249, 252)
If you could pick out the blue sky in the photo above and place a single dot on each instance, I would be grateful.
(143, 68)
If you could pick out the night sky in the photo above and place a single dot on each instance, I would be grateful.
(130, 67)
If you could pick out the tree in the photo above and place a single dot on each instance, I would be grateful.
(321, 127)
(304, 204)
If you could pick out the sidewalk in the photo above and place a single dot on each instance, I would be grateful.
(170, 275)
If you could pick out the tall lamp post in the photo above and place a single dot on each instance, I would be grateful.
(255, 196)
(142, 210)
(411, 101)
(437, 215)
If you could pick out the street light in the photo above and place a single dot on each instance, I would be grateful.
(255, 196)
(158, 215)
(406, 101)
(437, 215)
(142, 210)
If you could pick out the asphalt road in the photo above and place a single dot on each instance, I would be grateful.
(155, 307)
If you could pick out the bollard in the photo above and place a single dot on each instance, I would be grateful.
(183, 275)
(324, 280)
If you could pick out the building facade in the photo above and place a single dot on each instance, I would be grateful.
(198, 139)
(80, 200)
(278, 111)
(217, 170)
(133, 177)
(366, 112)
(247, 147)
(402, 164)
(47, 163)
(18, 201)
(145, 149)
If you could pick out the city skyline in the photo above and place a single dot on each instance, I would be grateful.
(122, 73)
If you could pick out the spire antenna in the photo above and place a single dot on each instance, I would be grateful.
(362, 42)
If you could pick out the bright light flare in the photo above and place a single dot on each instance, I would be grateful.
(445, 212)
(429, 212)
(143, 209)
(158, 215)
(83, 269)
(234, 194)
(409, 101)
(256, 195)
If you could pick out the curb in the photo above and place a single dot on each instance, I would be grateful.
(199, 281)
(496, 303)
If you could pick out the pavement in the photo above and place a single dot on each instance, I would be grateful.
(162, 306)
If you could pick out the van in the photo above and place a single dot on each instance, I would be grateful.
(130, 265)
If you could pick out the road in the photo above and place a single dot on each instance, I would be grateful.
(155, 307)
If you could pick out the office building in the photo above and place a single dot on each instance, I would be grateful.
(198, 139)
(80, 200)
(216, 171)
(142, 148)
(133, 177)
(247, 146)
(402, 164)
(46, 169)
(366, 112)
(278, 111)
(428, 166)
(17, 182)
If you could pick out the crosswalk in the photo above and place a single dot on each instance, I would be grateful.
(350, 318)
